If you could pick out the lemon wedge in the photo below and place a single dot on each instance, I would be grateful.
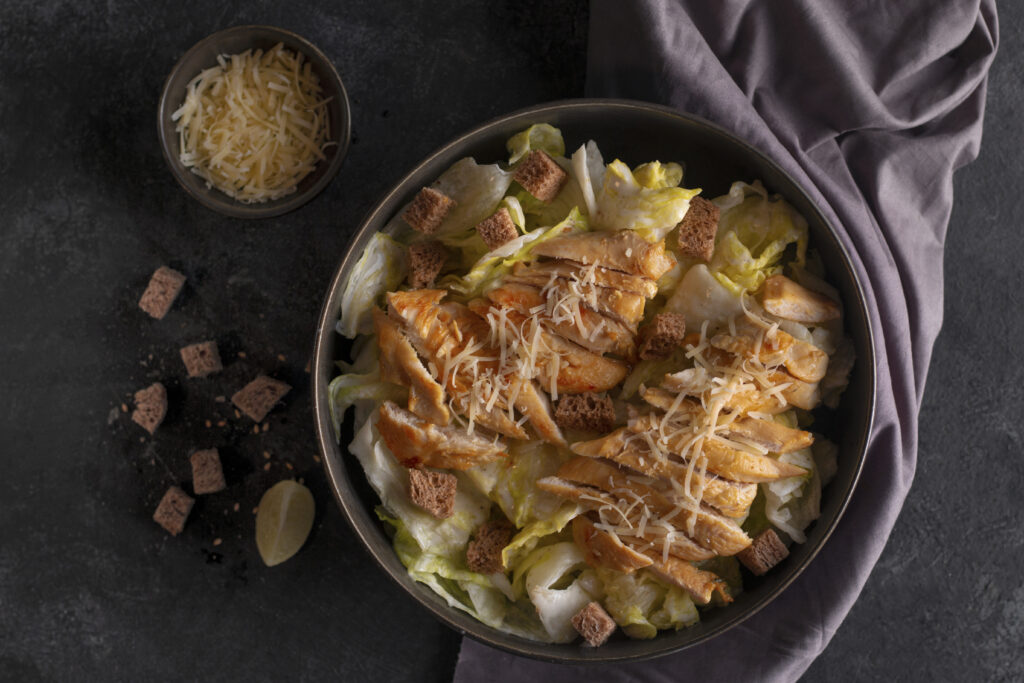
(283, 521)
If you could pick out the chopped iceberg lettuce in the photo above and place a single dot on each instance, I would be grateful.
(515, 211)
(655, 175)
(588, 172)
(641, 604)
(791, 504)
(624, 204)
(700, 297)
(380, 269)
(348, 390)
(542, 136)
(477, 190)
(543, 574)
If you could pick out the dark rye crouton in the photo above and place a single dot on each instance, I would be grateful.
(659, 337)
(426, 259)
(540, 175)
(586, 411)
(207, 473)
(150, 407)
(594, 624)
(497, 229)
(484, 552)
(162, 290)
(766, 551)
(433, 491)
(427, 210)
(258, 397)
(201, 359)
(173, 510)
(698, 228)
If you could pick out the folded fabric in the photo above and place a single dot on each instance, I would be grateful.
(871, 107)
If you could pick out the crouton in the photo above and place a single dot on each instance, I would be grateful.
(497, 229)
(258, 397)
(427, 210)
(594, 624)
(173, 510)
(201, 359)
(484, 552)
(661, 335)
(162, 290)
(426, 259)
(540, 175)
(697, 229)
(207, 473)
(588, 412)
(150, 407)
(766, 551)
(433, 491)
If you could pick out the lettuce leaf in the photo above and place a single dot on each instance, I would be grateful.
(476, 188)
(588, 172)
(701, 297)
(791, 504)
(650, 372)
(348, 390)
(542, 136)
(641, 604)
(543, 570)
(624, 204)
(655, 175)
(380, 269)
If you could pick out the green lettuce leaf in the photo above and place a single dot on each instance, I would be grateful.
(541, 136)
(655, 175)
(624, 204)
(380, 269)
(348, 390)
(701, 297)
(477, 190)
(588, 172)
(791, 504)
(642, 605)
(549, 577)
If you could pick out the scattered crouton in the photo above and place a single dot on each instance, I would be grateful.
(258, 397)
(540, 175)
(484, 552)
(433, 491)
(207, 473)
(150, 407)
(201, 359)
(173, 510)
(594, 624)
(497, 229)
(587, 411)
(426, 259)
(766, 551)
(698, 228)
(162, 290)
(427, 210)
(661, 335)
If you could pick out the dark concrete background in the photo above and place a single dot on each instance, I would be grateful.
(91, 588)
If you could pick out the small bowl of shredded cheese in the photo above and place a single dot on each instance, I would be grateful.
(254, 121)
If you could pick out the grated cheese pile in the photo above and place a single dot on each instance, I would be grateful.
(254, 125)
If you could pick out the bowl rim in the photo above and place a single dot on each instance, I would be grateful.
(456, 619)
(221, 202)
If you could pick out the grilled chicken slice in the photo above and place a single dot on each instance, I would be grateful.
(777, 438)
(626, 307)
(561, 364)
(748, 399)
(711, 530)
(644, 535)
(620, 250)
(789, 300)
(418, 443)
(804, 361)
(731, 498)
(724, 458)
(578, 324)
(700, 584)
(602, 549)
(542, 272)
(534, 404)
(399, 364)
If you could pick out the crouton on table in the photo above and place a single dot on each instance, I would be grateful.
(201, 359)
(162, 290)
(207, 473)
(173, 510)
(258, 397)
(150, 407)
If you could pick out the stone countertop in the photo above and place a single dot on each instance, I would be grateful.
(91, 588)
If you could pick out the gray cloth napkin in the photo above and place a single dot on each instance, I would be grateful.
(871, 106)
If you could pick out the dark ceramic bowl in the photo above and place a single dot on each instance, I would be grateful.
(235, 40)
(635, 132)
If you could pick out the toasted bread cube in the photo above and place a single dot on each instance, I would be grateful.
(163, 288)
(540, 175)
(661, 335)
(433, 491)
(497, 229)
(586, 411)
(426, 259)
(173, 510)
(201, 359)
(427, 210)
(766, 551)
(698, 228)
(207, 473)
(258, 397)
(150, 407)
(594, 624)
(484, 552)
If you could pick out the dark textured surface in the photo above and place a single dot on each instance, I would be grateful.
(90, 587)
